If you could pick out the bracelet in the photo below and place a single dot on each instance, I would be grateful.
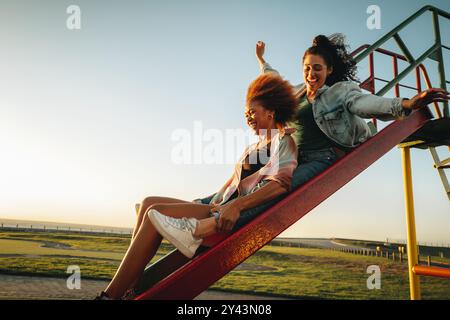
(216, 216)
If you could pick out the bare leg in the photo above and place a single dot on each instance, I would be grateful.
(146, 203)
(145, 245)
(143, 208)
(206, 227)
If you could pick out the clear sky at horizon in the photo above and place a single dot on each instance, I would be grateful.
(87, 116)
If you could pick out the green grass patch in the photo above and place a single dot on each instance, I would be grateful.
(281, 271)
(318, 273)
(75, 241)
(32, 248)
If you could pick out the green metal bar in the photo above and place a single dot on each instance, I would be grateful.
(397, 29)
(403, 47)
(440, 12)
(405, 72)
(440, 58)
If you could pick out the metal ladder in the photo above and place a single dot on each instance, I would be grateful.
(441, 166)
(435, 133)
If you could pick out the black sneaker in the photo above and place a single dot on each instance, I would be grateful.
(131, 294)
(103, 296)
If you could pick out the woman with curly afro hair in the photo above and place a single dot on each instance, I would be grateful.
(261, 177)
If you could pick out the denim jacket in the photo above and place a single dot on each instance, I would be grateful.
(338, 110)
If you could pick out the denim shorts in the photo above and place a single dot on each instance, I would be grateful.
(311, 163)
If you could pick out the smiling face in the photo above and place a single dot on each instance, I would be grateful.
(259, 118)
(315, 72)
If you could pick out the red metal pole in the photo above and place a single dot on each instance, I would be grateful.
(418, 81)
(428, 82)
(395, 65)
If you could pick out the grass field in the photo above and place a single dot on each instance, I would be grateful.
(281, 271)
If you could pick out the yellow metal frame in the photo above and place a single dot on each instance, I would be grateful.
(414, 269)
(414, 282)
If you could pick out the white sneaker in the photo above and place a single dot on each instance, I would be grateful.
(179, 232)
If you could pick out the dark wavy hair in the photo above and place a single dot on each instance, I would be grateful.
(335, 53)
(274, 94)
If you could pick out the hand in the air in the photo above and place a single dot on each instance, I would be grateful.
(260, 48)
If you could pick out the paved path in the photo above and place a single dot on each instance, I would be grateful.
(43, 288)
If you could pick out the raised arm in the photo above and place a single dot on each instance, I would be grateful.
(263, 65)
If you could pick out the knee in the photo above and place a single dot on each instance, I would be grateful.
(142, 208)
(148, 201)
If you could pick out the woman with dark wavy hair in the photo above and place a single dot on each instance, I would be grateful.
(261, 176)
(331, 106)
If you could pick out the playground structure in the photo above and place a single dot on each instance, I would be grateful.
(176, 277)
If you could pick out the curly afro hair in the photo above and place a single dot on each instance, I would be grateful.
(274, 94)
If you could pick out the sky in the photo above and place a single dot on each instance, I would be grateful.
(89, 117)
